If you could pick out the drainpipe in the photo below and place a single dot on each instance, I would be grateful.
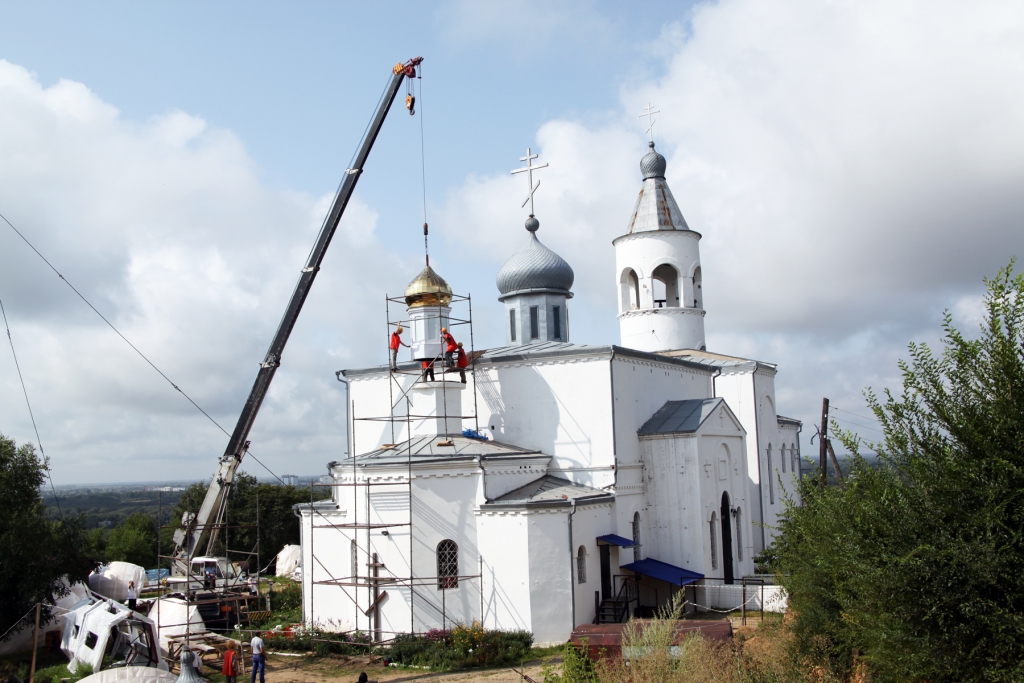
(348, 430)
(714, 387)
(757, 441)
(615, 456)
(572, 557)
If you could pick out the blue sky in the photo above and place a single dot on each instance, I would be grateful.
(854, 169)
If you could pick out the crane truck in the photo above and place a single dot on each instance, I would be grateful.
(205, 524)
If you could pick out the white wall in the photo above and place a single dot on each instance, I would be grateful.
(550, 576)
(560, 406)
(504, 543)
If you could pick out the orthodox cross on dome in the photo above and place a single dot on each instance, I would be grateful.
(649, 112)
(528, 170)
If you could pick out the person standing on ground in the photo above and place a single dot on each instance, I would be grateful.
(230, 668)
(259, 659)
(396, 341)
(461, 362)
(132, 595)
(449, 346)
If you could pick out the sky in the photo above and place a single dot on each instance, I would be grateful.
(855, 169)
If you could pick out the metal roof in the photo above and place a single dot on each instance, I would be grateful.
(656, 208)
(534, 269)
(663, 571)
(432, 448)
(547, 490)
(782, 419)
(546, 349)
(680, 417)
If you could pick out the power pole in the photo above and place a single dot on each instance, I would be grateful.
(823, 444)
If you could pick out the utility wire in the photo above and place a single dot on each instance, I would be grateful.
(865, 417)
(111, 325)
(30, 413)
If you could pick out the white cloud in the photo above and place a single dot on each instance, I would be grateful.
(167, 228)
(854, 169)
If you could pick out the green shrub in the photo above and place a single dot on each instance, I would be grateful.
(461, 647)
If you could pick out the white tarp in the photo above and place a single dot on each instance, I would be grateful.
(135, 674)
(111, 580)
(289, 560)
(22, 640)
(170, 617)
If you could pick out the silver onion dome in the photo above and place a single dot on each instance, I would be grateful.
(534, 268)
(653, 164)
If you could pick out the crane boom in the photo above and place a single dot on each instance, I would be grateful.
(188, 538)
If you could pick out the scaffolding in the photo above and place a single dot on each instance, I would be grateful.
(371, 584)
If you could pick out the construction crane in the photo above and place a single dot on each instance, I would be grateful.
(210, 517)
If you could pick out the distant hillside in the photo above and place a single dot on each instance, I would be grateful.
(108, 506)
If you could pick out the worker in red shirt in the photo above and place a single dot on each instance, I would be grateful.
(461, 362)
(428, 370)
(449, 346)
(396, 341)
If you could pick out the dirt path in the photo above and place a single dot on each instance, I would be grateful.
(281, 669)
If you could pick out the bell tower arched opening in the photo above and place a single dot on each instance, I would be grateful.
(666, 286)
(629, 291)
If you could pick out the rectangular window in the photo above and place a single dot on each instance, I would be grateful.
(534, 322)
(771, 477)
(556, 315)
(512, 323)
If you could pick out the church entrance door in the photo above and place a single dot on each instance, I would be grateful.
(726, 518)
(606, 572)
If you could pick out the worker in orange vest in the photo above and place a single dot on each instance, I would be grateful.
(461, 362)
(396, 341)
(449, 346)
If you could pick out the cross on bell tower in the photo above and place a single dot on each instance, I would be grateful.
(528, 170)
(649, 112)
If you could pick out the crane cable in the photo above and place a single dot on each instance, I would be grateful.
(134, 348)
(423, 167)
(30, 413)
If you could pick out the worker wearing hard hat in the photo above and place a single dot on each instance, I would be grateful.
(396, 341)
(449, 346)
(461, 362)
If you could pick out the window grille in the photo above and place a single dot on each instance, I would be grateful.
(714, 542)
(447, 565)
(512, 322)
(581, 565)
(556, 315)
(636, 536)
(534, 322)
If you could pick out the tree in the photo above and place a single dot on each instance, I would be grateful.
(915, 566)
(38, 552)
(133, 540)
(278, 525)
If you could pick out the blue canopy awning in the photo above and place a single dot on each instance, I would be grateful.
(612, 539)
(663, 571)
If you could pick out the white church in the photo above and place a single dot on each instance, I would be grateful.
(563, 483)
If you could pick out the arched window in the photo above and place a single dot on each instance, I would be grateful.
(698, 294)
(629, 290)
(782, 457)
(771, 477)
(581, 565)
(714, 541)
(666, 286)
(739, 534)
(447, 564)
(636, 536)
(795, 454)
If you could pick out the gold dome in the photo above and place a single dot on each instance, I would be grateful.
(428, 289)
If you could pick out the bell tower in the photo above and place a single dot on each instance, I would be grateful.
(658, 277)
